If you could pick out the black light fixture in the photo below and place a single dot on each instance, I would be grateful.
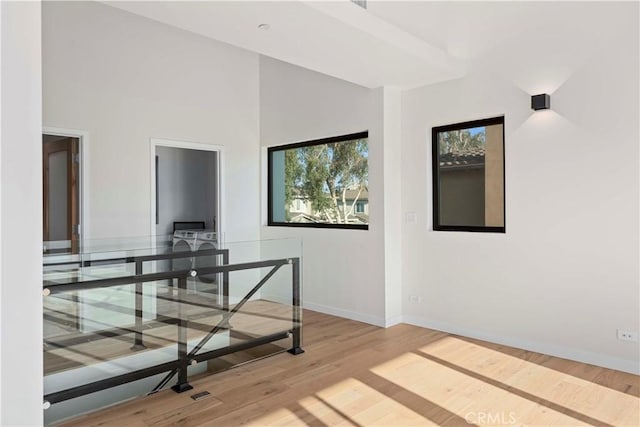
(540, 102)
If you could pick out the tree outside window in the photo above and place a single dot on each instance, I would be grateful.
(321, 183)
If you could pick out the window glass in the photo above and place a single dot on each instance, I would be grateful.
(468, 176)
(320, 183)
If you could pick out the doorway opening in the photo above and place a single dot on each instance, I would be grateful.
(186, 196)
(186, 187)
(61, 169)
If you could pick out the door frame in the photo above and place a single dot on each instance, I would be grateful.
(220, 161)
(83, 185)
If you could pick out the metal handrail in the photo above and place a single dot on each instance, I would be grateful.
(151, 277)
(184, 358)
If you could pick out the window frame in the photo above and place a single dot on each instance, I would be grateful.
(321, 141)
(435, 167)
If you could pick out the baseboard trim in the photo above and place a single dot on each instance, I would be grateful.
(347, 314)
(577, 355)
(279, 298)
(392, 321)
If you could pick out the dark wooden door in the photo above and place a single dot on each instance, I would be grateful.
(60, 170)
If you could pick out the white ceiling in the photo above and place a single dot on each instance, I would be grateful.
(537, 45)
(335, 38)
(402, 43)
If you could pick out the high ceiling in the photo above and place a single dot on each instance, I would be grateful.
(398, 43)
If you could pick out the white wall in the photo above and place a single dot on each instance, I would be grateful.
(342, 270)
(125, 79)
(564, 277)
(392, 122)
(21, 217)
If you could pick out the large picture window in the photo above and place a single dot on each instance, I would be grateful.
(320, 183)
(468, 176)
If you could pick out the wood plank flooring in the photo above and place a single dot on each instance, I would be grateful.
(69, 349)
(354, 374)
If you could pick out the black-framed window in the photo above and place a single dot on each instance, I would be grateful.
(468, 176)
(322, 183)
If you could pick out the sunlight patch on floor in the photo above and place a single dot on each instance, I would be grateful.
(583, 396)
(279, 417)
(476, 401)
(367, 406)
(349, 403)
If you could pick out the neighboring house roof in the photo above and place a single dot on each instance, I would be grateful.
(302, 217)
(351, 195)
(471, 157)
(306, 218)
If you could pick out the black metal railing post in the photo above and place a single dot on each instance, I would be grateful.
(138, 344)
(222, 324)
(225, 286)
(297, 310)
(183, 381)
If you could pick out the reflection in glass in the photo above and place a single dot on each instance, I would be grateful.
(469, 176)
(122, 317)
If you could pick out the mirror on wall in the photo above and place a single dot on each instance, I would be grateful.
(468, 176)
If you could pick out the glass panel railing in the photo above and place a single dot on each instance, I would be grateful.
(87, 252)
(125, 320)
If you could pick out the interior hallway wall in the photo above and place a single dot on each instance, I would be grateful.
(20, 215)
(125, 79)
(565, 275)
(343, 270)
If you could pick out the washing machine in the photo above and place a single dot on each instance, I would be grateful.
(183, 241)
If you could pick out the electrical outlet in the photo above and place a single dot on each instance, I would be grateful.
(415, 299)
(627, 335)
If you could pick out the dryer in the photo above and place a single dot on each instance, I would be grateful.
(206, 240)
(192, 241)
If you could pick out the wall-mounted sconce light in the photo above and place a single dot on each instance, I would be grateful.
(540, 102)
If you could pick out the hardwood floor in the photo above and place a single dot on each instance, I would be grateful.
(67, 348)
(354, 374)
